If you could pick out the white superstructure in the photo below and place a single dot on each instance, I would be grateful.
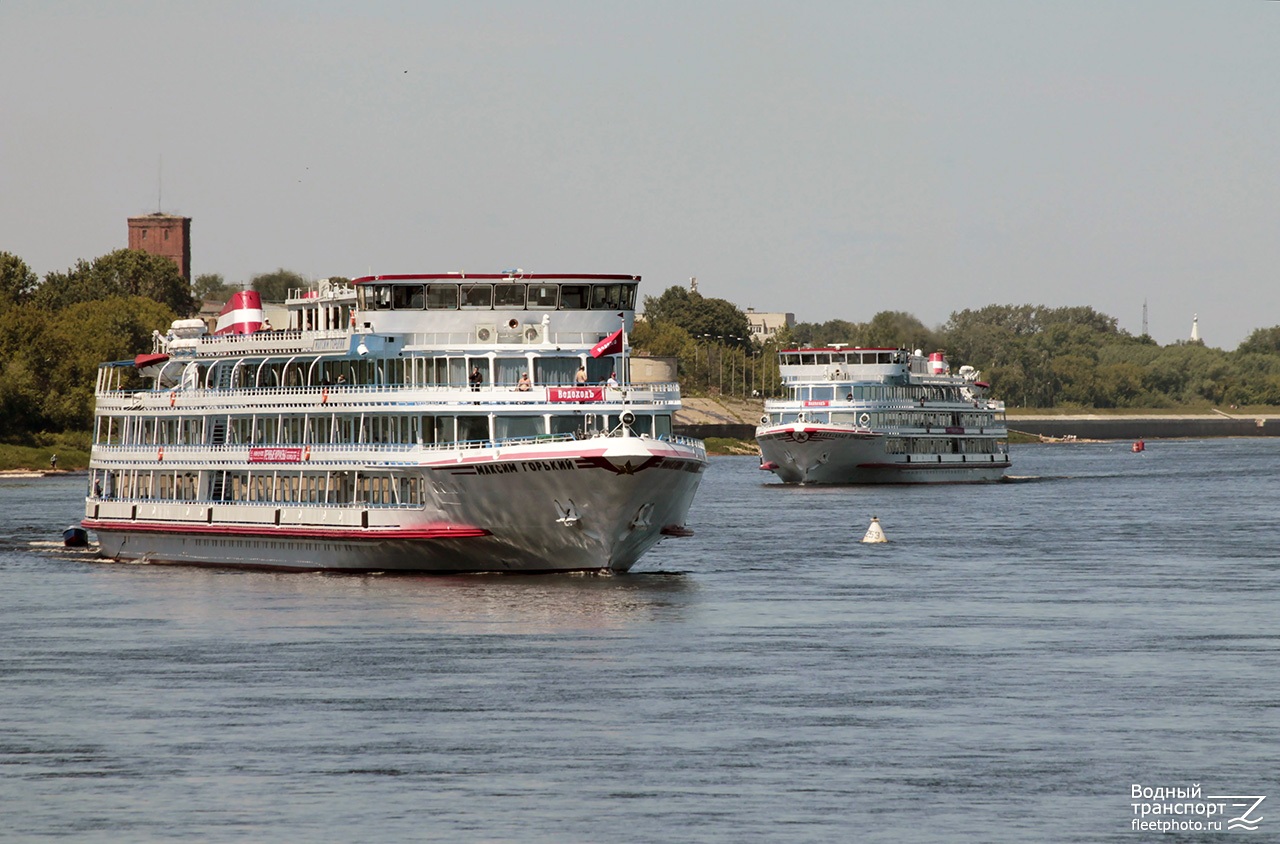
(446, 423)
(881, 416)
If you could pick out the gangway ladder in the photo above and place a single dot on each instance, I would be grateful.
(217, 436)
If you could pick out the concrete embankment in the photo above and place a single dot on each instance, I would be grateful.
(736, 419)
(1150, 427)
(727, 417)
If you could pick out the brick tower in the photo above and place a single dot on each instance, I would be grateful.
(166, 235)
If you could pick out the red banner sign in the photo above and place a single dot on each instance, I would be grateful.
(575, 394)
(817, 403)
(275, 455)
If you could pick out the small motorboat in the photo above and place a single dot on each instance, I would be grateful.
(1139, 446)
(75, 537)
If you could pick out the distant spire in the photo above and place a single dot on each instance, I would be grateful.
(1195, 327)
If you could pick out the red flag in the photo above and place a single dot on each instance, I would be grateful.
(611, 345)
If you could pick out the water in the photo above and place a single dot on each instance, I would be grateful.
(1003, 670)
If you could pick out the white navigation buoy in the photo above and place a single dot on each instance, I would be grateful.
(874, 532)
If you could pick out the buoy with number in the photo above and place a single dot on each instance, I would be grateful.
(875, 533)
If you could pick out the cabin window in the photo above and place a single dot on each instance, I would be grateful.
(509, 370)
(442, 297)
(508, 296)
(445, 429)
(823, 393)
(808, 360)
(473, 429)
(543, 296)
(643, 425)
(598, 369)
(561, 425)
(662, 425)
(555, 371)
(407, 297)
(574, 297)
(518, 427)
(382, 297)
(476, 295)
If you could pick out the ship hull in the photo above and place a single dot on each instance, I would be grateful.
(521, 510)
(831, 454)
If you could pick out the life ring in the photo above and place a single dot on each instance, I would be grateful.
(801, 436)
(353, 317)
(160, 454)
(864, 420)
(306, 453)
(324, 396)
(173, 397)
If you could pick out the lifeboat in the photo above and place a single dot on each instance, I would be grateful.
(75, 537)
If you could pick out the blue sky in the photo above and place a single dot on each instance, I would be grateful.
(830, 159)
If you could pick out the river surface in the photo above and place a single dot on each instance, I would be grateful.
(1006, 668)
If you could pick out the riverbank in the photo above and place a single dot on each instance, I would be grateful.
(1148, 426)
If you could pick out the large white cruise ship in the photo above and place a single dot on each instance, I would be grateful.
(866, 416)
(436, 423)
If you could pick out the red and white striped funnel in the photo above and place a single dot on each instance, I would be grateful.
(241, 315)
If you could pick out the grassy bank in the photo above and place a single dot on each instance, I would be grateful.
(35, 450)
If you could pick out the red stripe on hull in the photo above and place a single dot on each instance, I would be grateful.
(366, 534)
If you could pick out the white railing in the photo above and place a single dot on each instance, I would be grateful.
(660, 394)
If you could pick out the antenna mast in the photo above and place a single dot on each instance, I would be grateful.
(1144, 318)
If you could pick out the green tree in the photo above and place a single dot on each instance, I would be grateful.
(1263, 341)
(17, 281)
(212, 286)
(896, 330)
(708, 319)
(125, 272)
(89, 333)
(275, 286)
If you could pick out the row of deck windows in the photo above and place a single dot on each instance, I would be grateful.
(837, 392)
(267, 486)
(448, 296)
(891, 419)
(941, 445)
(359, 429)
(443, 371)
(851, 357)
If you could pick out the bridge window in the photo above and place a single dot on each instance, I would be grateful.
(442, 297)
(574, 297)
(543, 295)
(508, 296)
(606, 297)
(477, 295)
(406, 297)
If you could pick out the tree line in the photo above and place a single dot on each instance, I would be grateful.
(56, 330)
(1032, 355)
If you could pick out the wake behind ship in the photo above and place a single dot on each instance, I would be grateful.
(434, 423)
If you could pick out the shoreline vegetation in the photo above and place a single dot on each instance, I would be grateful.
(30, 456)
